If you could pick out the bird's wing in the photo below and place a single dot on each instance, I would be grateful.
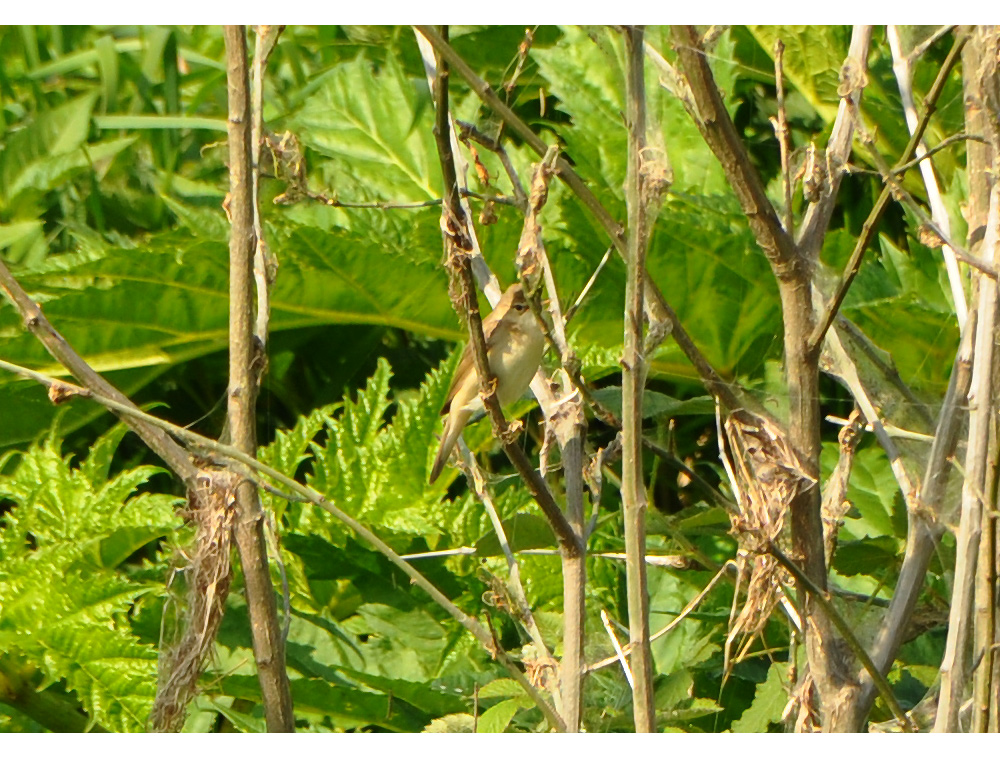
(467, 363)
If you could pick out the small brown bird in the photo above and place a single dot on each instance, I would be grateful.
(514, 346)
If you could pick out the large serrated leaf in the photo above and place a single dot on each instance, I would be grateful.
(768, 703)
(364, 119)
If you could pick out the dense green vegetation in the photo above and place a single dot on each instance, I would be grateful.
(112, 179)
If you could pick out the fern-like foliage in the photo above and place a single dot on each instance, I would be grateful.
(63, 601)
(374, 469)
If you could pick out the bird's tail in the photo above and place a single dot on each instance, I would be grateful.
(452, 429)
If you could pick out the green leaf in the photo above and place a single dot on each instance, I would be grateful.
(371, 124)
(656, 405)
(501, 687)
(458, 723)
(348, 708)
(768, 703)
(64, 610)
(497, 718)
(140, 121)
(523, 531)
(868, 556)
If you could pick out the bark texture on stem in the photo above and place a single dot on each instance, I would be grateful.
(163, 445)
(793, 272)
(655, 304)
(633, 380)
(955, 664)
(268, 644)
(460, 241)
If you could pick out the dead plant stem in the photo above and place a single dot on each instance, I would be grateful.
(633, 381)
(256, 470)
(268, 645)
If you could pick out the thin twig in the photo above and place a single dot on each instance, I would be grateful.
(868, 230)
(924, 524)
(781, 132)
(176, 457)
(567, 424)
(817, 216)
(945, 143)
(922, 48)
(688, 609)
(904, 78)
(523, 612)
(265, 264)
(884, 689)
(471, 133)
(655, 304)
(954, 663)
(459, 243)
(390, 205)
(590, 283)
(619, 654)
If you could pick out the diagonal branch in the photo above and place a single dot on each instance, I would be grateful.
(838, 147)
(458, 244)
(656, 306)
(868, 230)
(719, 132)
(175, 456)
(250, 467)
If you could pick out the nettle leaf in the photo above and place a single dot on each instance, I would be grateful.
(52, 134)
(63, 607)
(377, 472)
(114, 676)
(63, 511)
(768, 703)
(374, 127)
(496, 719)
(344, 469)
(586, 72)
(812, 60)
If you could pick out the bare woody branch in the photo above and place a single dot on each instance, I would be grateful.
(655, 304)
(903, 69)
(955, 665)
(868, 230)
(457, 241)
(268, 644)
(265, 263)
(838, 148)
(633, 488)
(250, 467)
(175, 456)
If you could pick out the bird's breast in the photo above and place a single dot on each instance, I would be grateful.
(517, 363)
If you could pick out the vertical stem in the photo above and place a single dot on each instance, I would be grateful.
(983, 689)
(954, 665)
(633, 379)
(574, 570)
(902, 68)
(927, 524)
(268, 646)
(781, 132)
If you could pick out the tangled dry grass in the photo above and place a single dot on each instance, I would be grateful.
(207, 574)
